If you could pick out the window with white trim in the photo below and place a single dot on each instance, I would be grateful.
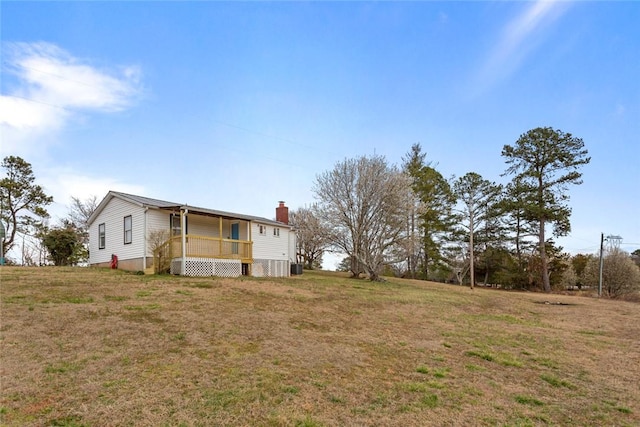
(176, 226)
(128, 230)
(101, 236)
(262, 229)
(276, 231)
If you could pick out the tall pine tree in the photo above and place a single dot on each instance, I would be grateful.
(545, 161)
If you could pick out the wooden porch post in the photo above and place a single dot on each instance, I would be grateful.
(220, 236)
(183, 233)
(250, 249)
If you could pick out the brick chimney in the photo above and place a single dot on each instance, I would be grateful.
(282, 213)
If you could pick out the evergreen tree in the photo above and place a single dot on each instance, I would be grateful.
(23, 202)
(545, 161)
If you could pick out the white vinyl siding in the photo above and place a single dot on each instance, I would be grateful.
(269, 246)
(112, 217)
(101, 236)
(157, 220)
(128, 231)
(200, 225)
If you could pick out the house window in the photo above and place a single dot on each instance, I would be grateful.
(128, 231)
(262, 229)
(174, 223)
(101, 236)
(276, 232)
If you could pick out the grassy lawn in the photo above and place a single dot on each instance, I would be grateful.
(91, 347)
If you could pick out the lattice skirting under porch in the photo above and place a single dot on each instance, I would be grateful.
(270, 268)
(207, 267)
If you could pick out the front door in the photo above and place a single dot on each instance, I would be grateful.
(235, 235)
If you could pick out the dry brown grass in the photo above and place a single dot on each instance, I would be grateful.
(104, 348)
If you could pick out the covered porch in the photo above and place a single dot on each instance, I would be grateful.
(204, 256)
(202, 243)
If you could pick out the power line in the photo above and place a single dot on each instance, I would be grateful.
(55, 75)
(37, 101)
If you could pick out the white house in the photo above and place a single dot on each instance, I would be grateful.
(146, 234)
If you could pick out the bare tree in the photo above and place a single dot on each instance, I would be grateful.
(78, 219)
(311, 236)
(620, 275)
(79, 214)
(155, 241)
(363, 205)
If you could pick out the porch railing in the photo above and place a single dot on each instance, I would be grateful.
(201, 247)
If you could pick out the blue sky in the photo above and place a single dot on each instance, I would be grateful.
(237, 105)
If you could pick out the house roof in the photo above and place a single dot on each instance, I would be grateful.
(163, 204)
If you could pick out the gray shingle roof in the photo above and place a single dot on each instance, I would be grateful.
(163, 204)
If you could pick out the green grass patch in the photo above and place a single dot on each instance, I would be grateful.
(79, 300)
(336, 399)
(429, 400)
(528, 400)
(14, 299)
(506, 359)
(436, 384)
(68, 421)
(180, 336)
(307, 421)
(115, 383)
(481, 354)
(61, 368)
(618, 408)
(202, 285)
(144, 307)
(557, 382)
(546, 362)
(422, 369)
(441, 372)
(415, 387)
(115, 298)
(290, 389)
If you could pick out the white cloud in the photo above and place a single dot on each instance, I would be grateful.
(47, 88)
(518, 39)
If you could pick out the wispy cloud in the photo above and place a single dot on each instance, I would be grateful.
(48, 87)
(517, 40)
(45, 90)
